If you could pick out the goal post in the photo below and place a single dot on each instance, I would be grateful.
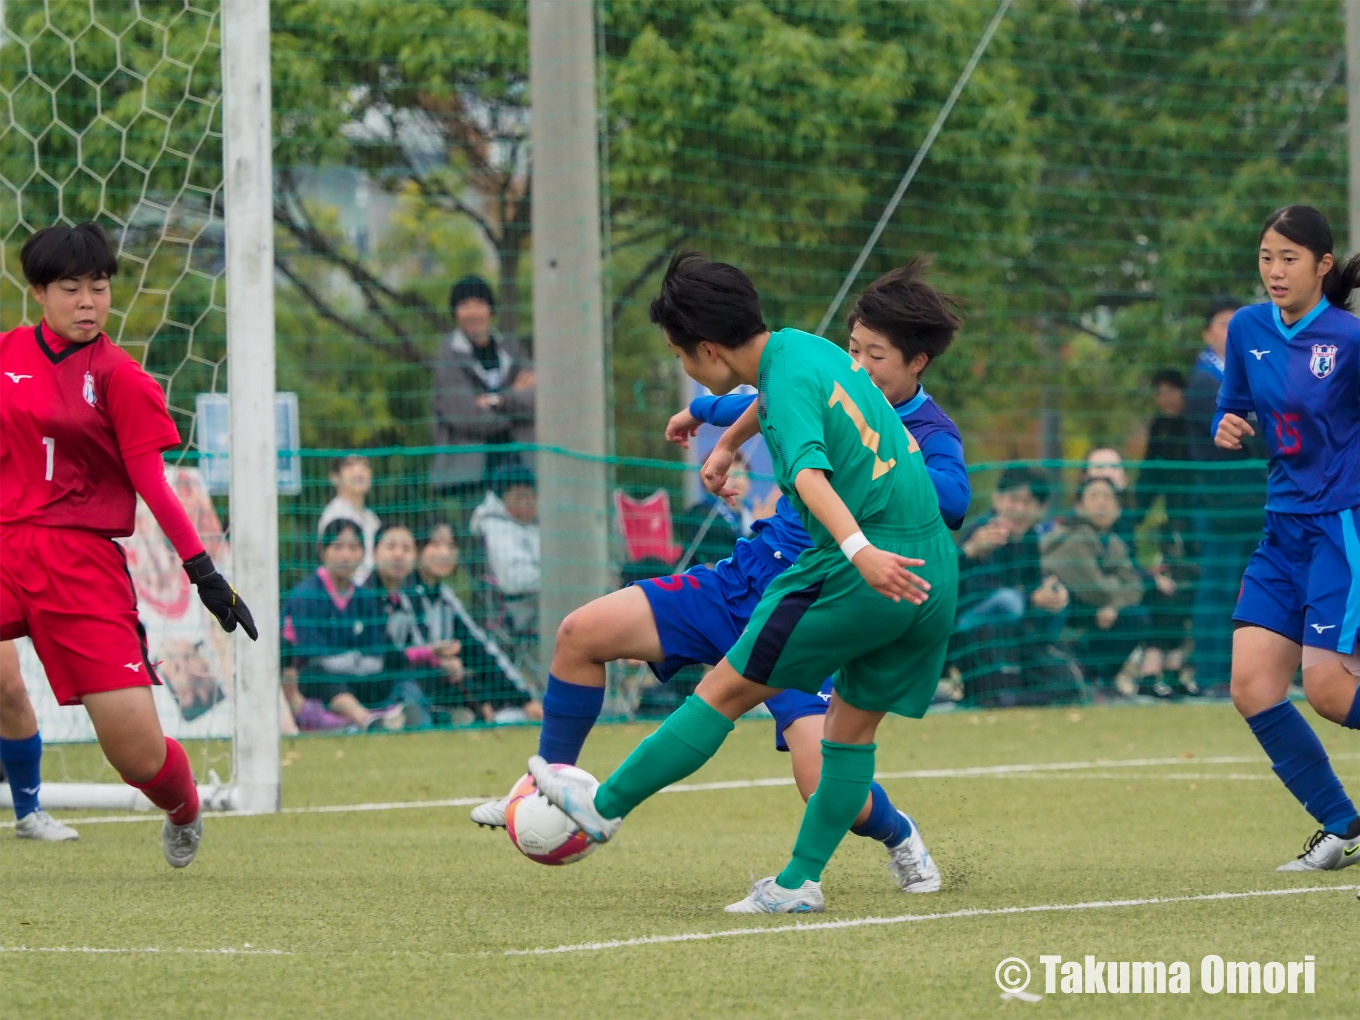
(248, 184)
(156, 121)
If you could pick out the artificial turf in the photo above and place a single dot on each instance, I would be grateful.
(410, 912)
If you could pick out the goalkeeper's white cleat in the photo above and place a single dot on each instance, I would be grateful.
(492, 813)
(43, 827)
(573, 790)
(180, 842)
(1326, 851)
(768, 897)
(911, 864)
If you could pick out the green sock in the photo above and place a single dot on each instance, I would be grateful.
(847, 775)
(688, 738)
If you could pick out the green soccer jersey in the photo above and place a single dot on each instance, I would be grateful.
(819, 409)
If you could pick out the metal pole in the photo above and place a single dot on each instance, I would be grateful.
(568, 310)
(250, 384)
(1353, 116)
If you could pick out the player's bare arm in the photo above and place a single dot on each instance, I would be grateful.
(885, 572)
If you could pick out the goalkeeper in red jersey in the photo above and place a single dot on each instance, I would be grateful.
(83, 429)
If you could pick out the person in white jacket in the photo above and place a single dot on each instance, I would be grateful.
(507, 522)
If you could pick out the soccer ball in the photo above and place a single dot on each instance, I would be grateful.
(540, 830)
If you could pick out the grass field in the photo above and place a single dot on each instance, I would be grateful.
(414, 912)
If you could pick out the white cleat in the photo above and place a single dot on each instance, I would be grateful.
(573, 790)
(180, 842)
(492, 813)
(1325, 852)
(911, 864)
(43, 827)
(769, 898)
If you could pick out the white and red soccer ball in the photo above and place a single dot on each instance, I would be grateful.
(540, 830)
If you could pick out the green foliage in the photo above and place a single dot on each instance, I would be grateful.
(1102, 175)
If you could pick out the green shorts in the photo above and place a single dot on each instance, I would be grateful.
(820, 617)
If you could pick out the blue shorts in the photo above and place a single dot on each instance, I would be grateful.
(1303, 580)
(699, 616)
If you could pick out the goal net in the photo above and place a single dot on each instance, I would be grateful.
(113, 111)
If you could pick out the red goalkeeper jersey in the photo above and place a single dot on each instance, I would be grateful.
(69, 416)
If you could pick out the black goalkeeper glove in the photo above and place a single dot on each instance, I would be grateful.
(219, 596)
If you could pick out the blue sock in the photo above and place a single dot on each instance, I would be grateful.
(885, 823)
(23, 768)
(569, 711)
(1298, 758)
(1353, 716)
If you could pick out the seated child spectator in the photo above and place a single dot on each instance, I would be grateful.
(333, 642)
(1010, 606)
(1093, 564)
(488, 681)
(507, 521)
(352, 478)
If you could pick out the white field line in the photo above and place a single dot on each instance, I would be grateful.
(148, 949)
(860, 922)
(1040, 770)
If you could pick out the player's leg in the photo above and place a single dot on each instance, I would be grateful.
(21, 755)
(620, 625)
(130, 736)
(1266, 655)
(689, 737)
(909, 860)
(1263, 664)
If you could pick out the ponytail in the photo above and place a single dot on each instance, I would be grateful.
(1304, 225)
(1341, 281)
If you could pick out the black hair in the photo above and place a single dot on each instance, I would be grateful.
(1038, 481)
(471, 287)
(1168, 377)
(68, 253)
(335, 529)
(1304, 225)
(381, 533)
(511, 475)
(1218, 306)
(1089, 480)
(338, 463)
(703, 300)
(914, 316)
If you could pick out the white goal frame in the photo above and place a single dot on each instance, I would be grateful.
(254, 786)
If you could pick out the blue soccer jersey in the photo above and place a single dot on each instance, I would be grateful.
(1303, 383)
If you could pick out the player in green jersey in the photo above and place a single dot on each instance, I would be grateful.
(849, 605)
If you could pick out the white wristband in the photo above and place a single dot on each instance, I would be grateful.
(854, 544)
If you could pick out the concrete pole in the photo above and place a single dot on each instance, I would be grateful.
(568, 311)
(249, 186)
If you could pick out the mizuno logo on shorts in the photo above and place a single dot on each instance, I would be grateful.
(134, 666)
(1320, 628)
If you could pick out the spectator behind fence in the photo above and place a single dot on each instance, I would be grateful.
(483, 393)
(721, 525)
(1229, 509)
(333, 642)
(507, 522)
(1108, 463)
(495, 689)
(423, 672)
(353, 478)
(1169, 442)
(1010, 611)
(1094, 564)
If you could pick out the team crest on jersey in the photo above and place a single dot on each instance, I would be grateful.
(88, 391)
(1323, 361)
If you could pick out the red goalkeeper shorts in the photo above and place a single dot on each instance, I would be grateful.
(70, 591)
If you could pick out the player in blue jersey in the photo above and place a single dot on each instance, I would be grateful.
(1294, 362)
(898, 327)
